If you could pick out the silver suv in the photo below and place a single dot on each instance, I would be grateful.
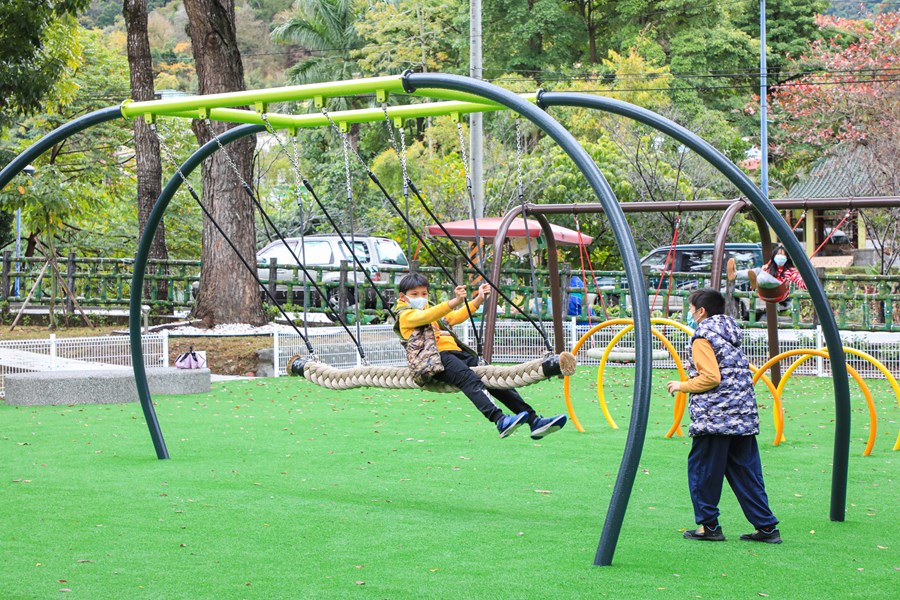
(378, 255)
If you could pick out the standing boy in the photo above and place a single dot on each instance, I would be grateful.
(724, 424)
(413, 311)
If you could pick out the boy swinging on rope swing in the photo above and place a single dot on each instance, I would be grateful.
(413, 312)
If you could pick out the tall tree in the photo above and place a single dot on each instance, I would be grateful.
(228, 292)
(326, 29)
(146, 145)
(38, 52)
(848, 105)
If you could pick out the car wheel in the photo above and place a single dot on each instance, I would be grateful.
(334, 297)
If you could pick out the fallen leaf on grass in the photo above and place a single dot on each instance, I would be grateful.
(543, 491)
(881, 547)
(360, 583)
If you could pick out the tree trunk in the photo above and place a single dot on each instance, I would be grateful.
(146, 145)
(228, 292)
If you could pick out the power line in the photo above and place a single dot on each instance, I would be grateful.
(733, 87)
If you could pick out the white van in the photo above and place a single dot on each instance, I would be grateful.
(378, 255)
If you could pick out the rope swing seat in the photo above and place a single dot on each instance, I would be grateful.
(493, 376)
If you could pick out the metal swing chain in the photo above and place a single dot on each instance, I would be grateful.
(401, 156)
(327, 215)
(405, 186)
(345, 145)
(170, 157)
(299, 173)
(299, 185)
(465, 159)
(521, 189)
(480, 254)
(466, 257)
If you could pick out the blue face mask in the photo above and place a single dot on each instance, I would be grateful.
(780, 259)
(691, 322)
(417, 303)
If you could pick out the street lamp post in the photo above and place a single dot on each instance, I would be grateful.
(29, 170)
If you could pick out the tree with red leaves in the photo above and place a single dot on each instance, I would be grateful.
(845, 104)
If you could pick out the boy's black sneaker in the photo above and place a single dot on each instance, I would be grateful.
(773, 537)
(705, 535)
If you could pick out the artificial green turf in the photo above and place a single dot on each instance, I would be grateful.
(279, 489)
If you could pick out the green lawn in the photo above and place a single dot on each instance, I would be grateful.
(279, 489)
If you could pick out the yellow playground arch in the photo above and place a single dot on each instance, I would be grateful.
(759, 373)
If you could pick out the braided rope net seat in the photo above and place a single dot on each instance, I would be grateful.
(494, 377)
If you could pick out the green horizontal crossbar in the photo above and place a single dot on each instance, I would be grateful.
(365, 115)
(354, 87)
(220, 107)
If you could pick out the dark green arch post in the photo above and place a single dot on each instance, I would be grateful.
(57, 135)
(791, 244)
(640, 408)
(140, 265)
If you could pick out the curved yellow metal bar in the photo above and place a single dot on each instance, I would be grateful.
(680, 399)
(887, 375)
(808, 353)
(601, 398)
(873, 416)
(566, 380)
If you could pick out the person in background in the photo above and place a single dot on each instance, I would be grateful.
(779, 272)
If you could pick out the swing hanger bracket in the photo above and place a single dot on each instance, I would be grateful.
(202, 113)
(381, 95)
(457, 117)
(343, 126)
(319, 101)
(261, 107)
(398, 122)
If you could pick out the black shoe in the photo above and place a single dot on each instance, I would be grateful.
(706, 534)
(773, 537)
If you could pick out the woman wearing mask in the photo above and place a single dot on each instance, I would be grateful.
(773, 279)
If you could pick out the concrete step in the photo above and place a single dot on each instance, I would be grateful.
(99, 386)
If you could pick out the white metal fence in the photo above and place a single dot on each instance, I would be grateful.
(515, 341)
(58, 354)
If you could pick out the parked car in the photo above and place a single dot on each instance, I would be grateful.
(696, 259)
(378, 255)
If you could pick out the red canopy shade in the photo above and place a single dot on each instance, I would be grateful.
(487, 229)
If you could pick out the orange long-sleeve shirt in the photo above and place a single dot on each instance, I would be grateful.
(709, 376)
(412, 318)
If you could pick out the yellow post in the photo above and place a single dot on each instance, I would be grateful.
(810, 231)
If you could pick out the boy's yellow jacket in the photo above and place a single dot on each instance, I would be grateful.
(409, 318)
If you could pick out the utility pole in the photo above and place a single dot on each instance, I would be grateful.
(475, 119)
(763, 118)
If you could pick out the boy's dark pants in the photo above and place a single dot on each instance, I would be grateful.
(458, 373)
(736, 458)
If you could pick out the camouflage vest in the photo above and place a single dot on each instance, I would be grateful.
(730, 407)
